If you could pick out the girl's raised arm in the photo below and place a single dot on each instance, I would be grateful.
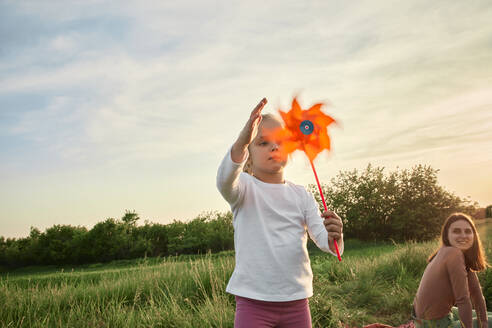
(229, 170)
(248, 133)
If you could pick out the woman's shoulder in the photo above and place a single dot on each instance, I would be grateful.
(451, 250)
(451, 253)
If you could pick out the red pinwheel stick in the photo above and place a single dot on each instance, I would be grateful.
(326, 208)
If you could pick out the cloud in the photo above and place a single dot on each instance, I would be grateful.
(361, 53)
(117, 85)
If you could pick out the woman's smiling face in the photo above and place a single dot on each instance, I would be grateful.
(460, 235)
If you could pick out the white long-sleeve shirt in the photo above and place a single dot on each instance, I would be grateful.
(271, 222)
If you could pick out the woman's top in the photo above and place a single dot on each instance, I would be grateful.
(446, 282)
(270, 223)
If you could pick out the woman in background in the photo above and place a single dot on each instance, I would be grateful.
(449, 286)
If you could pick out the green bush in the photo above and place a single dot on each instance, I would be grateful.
(400, 205)
(488, 211)
(114, 239)
(487, 287)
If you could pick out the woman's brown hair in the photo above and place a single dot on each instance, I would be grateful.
(474, 256)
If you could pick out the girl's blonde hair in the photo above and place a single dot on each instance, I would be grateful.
(248, 166)
(474, 256)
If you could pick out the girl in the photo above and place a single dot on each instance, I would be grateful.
(450, 279)
(272, 279)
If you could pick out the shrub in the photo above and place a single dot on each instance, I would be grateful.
(401, 205)
(488, 211)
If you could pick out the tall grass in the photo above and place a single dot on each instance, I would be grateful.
(363, 290)
(373, 283)
(169, 294)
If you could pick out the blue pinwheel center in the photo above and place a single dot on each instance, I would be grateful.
(307, 127)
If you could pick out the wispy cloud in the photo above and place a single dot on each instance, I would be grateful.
(105, 85)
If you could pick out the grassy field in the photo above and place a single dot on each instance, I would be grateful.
(373, 283)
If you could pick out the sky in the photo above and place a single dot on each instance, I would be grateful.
(108, 106)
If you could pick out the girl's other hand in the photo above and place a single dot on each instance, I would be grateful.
(334, 225)
(248, 133)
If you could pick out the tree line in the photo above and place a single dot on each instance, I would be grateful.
(400, 205)
(114, 239)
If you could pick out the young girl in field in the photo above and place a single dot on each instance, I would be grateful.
(272, 279)
(450, 279)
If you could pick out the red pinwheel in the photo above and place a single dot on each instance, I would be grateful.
(305, 130)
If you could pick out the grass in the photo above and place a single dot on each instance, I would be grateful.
(375, 282)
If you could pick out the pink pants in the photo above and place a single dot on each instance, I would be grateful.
(262, 314)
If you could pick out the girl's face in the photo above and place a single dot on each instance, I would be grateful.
(460, 235)
(264, 153)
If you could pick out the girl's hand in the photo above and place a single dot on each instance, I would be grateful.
(248, 133)
(334, 226)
